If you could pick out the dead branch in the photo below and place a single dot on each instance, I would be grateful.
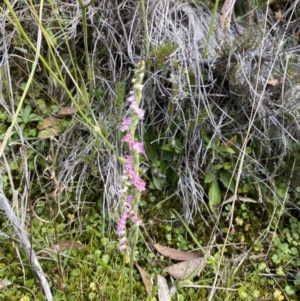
(4, 203)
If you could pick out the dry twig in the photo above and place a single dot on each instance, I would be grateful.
(22, 234)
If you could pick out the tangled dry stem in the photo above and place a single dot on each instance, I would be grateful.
(238, 84)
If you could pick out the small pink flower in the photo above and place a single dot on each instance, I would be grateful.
(128, 167)
(129, 139)
(122, 223)
(125, 124)
(137, 110)
(139, 147)
(127, 205)
(140, 113)
(137, 220)
(121, 233)
(134, 105)
(122, 247)
(134, 179)
(122, 240)
(129, 159)
(131, 97)
(138, 183)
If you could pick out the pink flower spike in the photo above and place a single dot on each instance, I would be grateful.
(125, 125)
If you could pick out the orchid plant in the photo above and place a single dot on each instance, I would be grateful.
(133, 185)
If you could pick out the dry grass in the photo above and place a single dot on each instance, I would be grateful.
(246, 86)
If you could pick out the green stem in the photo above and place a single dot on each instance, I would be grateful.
(134, 239)
(211, 27)
(136, 194)
(16, 23)
(144, 15)
(85, 42)
(19, 27)
(30, 79)
(61, 28)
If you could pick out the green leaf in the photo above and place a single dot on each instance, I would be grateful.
(3, 116)
(217, 166)
(48, 133)
(297, 279)
(262, 266)
(227, 180)
(278, 295)
(158, 183)
(214, 196)
(105, 258)
(256, 293)
(209, 178)
(23, 50)
(205, 137)
(276, 259)
(178, 146)
(282, 192)
(51, 36)
(151, 150)
(26, 113)
(289, 290)
(167, 147)
(203, 115)
(294, 251)
(227, 166)
(225, 149)
(242, 292)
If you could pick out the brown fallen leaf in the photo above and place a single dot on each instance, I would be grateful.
(239, 198)
(62, 246)
(66, 111)
(177, 254)
(230, 142)
(163, 289)
(146, 279)
(226, 12)
(184, 269)
(273, 82)
(47, 123)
